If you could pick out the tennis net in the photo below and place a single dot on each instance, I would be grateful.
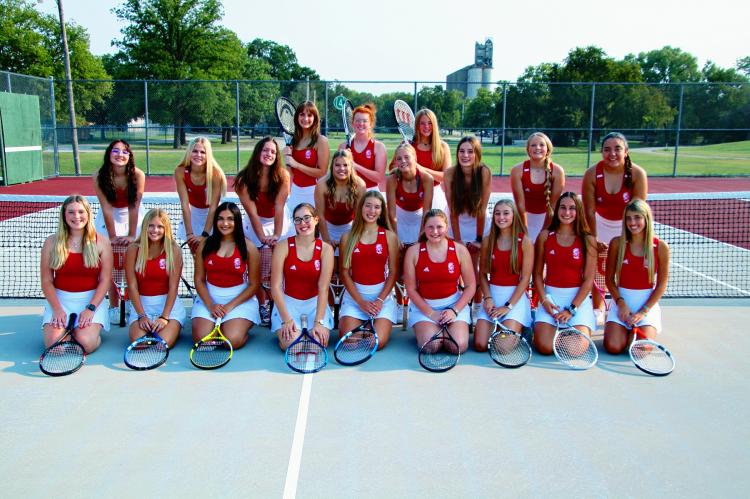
(708, 234)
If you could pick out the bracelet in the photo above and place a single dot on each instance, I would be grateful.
(189, 234)
(571, 308)
(546, 299)
(645, 309)
(284, 323)
(453, 310)
(164, 318)
(141, 316)
(380, 299)
(486, 298)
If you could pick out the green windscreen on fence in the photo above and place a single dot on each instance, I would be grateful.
(21, 140)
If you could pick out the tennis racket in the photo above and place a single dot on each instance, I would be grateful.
(404, 119)
(358, 345)
(213, 350)
(285, 116)
(574, 348)
(147, 352)
(118, 278)
(65, 356)
(649, 356)
(305, 354)
(336, 287)
(440, 353)
(508, 348)
(266, 257)
(347, 118)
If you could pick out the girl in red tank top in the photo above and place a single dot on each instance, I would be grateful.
(76, 270)
(505, 265)
(637, 273)
(336, 198)
(153, 267)
(307, 157)
(433, 154)
(409, 192)
(537, 184)
(300, 275)
(227, 275)
(369, 268)
(432, 271)
(564, 266)
(369, 155)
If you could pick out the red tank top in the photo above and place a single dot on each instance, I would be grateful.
(339, 213)
(301, 278)
(154, 281)
(366, 158)
(410, 201)
(437, 280)
(264, 205)
(610, 206)
(308, 157)
(564, 263)
(533, 194)
(225, 271)
(501, 273)
(74, 277)
(196, 193)
(370, 261)
(121, 198)
(634, 272)
(424, 158)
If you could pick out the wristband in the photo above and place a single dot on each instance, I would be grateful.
(204, 234)
(141, 316)
(571, 308)
(645, 309)
(486, 298)
(91, 307)
(163, 318)
(189, 234)
(453, 310)
(508, 305)
(380, 299)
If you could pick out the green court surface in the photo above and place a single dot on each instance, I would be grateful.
(383, 429)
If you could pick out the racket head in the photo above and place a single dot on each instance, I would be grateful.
(285, 116)
(147, 352)
(508, 348)
(64, 356)
(266, 258)
(212, 351)
(305, 355)
(574, 348)
(649, 356)
(404, 119)
(358, 345)
(347, 118)
(440, 353)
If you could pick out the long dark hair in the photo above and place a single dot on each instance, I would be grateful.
(312, 211)
(106, 180)
(214, 239)
(462, 201)
(628, 179)
(315, 128)
(580, 226)
(249, 177)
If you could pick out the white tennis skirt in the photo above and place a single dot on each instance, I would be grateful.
(197, 223)
(534, 224)
(246, 310)
(439, 201)
(416, 315)
(299, 195)
(408, 223)
(153, 306)
(296, 308)
(521, 311)
(468, 226)
(268, 227)
(349, 307)
(562, 297)
(607, 229)
(337, 231)
(75, 302)
(120, 219)
(635, 299)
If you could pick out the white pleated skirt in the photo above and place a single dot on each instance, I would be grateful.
(349, 307)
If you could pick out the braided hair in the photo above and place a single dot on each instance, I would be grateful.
(628, 179)
(547, 167)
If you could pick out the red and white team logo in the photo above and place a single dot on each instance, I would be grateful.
(308, 154)
(379, 249)
(421, 195)
(210, 261)
(576, 254)
(626, 196)
(625, 261)
(162, 263)
(451, 267)
(317, 265)
(368, 154)
(237, 263)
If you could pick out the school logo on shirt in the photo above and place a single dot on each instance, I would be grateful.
(599, 199)
(421, 195)
(356, 250)
(451, 267)
(576, 254)
(210, 261)
(552, 252)
(317, 265)
(237, 263)
(527, 189)
(162, 263)
(308, 154)
(625, 261)
(368, 154)
(626, 196)
(379, 249)
(293, 267)
(426, 269)
(401, 198)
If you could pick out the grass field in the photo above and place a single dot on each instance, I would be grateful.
(716, 159)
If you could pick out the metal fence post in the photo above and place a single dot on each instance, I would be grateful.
(55, 150)
(325, 109)
(502, 134)
(591, 124)
(416, 103)
(237, 115)
(145, 117)
(7, 78)
(307, 88)
(677, 135)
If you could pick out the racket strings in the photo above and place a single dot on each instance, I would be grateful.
(211, 353)
(509, 350)
(356, 348)
(439, 354)
(306, 356)
(62, 358)
(652, 358)
(575, 349)
(147, 353)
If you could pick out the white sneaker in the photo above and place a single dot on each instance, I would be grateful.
(114, 315)
(399, 312)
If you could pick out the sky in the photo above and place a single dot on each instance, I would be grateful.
(420, 40)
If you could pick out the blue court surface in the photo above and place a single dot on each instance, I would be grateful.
(384, 429)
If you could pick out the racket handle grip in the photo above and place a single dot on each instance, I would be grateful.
(303, 321)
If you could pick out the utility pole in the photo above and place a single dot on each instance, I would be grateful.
(69, 86)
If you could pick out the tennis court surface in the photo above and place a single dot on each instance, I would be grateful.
(383, 429)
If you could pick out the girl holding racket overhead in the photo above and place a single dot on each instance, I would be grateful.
(564, 266)
(432, 271)
(409, 191)
(300, 275)
(369, 268)
(263, 187)
(336, 198)
(505, 266)
(433, 154)
(307, 157)
(637, 272)
(369, 155)
(76, 266)
(153, 266)
(537, 184)
(227, 275)
(200, 185)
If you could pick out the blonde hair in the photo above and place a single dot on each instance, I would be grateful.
(517, 230)
(642, 208)
(351, 182)
(358, 226)
(547, 166)
(403, 145)
(211, 166)
(434, 212)
(143, 240)
(436, 144)
(88, 241)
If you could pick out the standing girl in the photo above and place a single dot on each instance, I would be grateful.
(409, 191)
(369, 155)
(433, 154)
(307, 158)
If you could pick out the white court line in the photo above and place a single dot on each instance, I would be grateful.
(717, 281)
(23, 148)
(295, 457)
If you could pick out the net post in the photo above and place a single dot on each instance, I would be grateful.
(145, 117)
(677, 134)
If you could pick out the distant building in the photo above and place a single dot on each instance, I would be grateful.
(470, 79)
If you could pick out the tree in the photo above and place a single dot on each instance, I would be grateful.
(446, 105)
(667, 65)
(281, 59)
(743, 65)
(480, 110)
(22, 48)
